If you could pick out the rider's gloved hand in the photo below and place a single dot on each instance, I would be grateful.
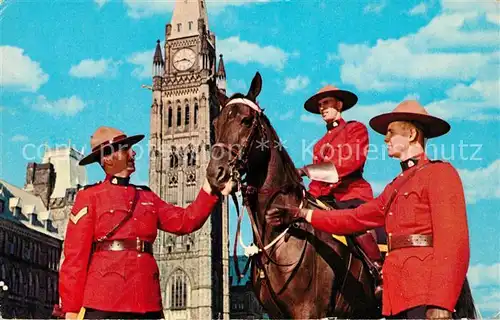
(282, 214)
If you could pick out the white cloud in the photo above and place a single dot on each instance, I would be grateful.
(244, 52)
(19, 138)
(490, 302)
(479, 101)
(364, 113)
(19, 72)
(412, 96)
(287, 115)
(90, 68)
(447, 48)
(419, 9)
(237, 85)
(64, 106)
(375, 7)
(332, 57)
(481, 6)
(475, 182)
(484, 275)
(141, 9)
(101, 3)
(493, 18)
(143, 62)
(296, 84)
(309, 118)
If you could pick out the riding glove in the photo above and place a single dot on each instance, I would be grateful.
(282, 214)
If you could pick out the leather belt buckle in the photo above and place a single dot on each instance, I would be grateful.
(139, 245)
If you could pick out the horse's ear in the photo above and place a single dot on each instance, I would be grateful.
(221, 96)
(255, 87)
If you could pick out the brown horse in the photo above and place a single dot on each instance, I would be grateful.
(306, 273)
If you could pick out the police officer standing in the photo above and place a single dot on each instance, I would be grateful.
(108, 266)
(423, 211)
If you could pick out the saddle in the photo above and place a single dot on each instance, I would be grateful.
(355, 244)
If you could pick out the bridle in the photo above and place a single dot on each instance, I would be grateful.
(239, 161)
(237, 164)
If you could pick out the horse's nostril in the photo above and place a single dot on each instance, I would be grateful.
(220, 174)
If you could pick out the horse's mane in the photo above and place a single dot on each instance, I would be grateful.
(275, 142)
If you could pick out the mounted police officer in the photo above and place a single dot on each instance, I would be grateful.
(108, 265)
(338, 161)
(423, 210)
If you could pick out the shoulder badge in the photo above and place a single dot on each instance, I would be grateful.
(76, 217)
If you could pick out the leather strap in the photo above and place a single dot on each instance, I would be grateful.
(122, 245)
(396, 191)
(411, 240)
(125, 219)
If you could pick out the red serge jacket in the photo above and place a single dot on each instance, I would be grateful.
(125, 281)
(346, 146)
(432, 203)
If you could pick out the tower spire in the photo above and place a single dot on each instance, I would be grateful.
(222, 70)
(158, 62)
(221, 75)
(185, 18)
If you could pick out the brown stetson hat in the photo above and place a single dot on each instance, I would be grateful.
(348, 98)
(411, 111)
(106, 140)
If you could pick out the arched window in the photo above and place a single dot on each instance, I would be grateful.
(31, 285)
(174, 160)
(178, 290)
(170, 116)
(195, 113)
(191, 158)
(179, 114)
(186, 118)
(37, 285)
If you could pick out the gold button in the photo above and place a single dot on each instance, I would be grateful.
(406, 193)
(390, 234)
(401, 175)
(111, 210)
(139, 255)
(135, 219)
(130, 202)
(390, 213)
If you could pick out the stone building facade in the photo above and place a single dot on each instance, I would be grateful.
(194, 268)
(30, 248)
(33, 222)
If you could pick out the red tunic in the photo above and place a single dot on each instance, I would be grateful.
(346, 146)
(125, 281)
(431, 202)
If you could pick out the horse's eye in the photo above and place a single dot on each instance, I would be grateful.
(247, 121)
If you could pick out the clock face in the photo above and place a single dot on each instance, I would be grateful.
(184, 59)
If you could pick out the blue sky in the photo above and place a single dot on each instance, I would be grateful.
(69, 67)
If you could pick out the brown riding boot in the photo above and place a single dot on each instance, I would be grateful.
(368, 244)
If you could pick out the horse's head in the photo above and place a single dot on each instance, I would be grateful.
(236, 129)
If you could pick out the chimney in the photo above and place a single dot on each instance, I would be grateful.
(40, 180)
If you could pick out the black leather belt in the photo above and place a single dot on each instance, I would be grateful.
(126, 244)
(411, 240)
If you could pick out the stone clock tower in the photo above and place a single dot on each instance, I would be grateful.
(193, 268)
